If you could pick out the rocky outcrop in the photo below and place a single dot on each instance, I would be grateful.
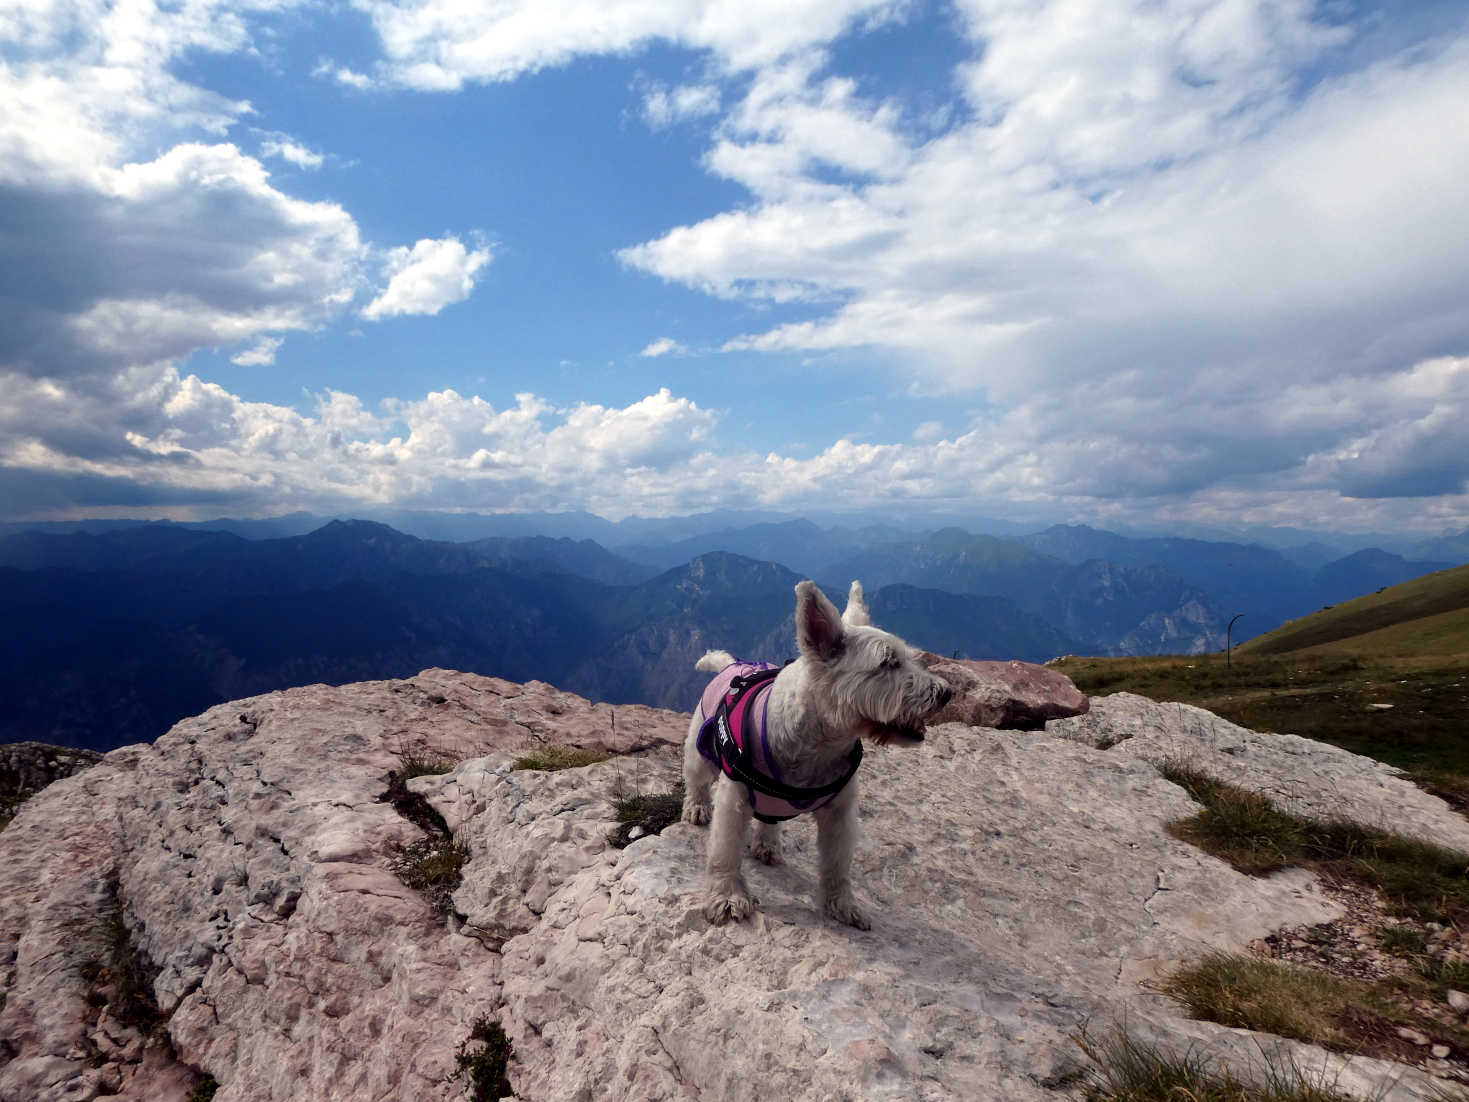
(1005, 695)
(1308, 778)
(31, 766)
(1021, 885)
(28, 767)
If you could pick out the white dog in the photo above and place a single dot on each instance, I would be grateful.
(773, 743)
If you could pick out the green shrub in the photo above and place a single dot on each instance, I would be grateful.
(482, 1061)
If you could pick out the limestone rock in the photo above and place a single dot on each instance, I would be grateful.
(248, 850)
(1006, 695)
(1020, 886)
(1306, 777)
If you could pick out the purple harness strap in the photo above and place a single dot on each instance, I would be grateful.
(729, 740)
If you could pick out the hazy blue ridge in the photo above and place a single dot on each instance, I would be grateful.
(116, 634)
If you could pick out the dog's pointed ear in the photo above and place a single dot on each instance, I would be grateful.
(856, 614)
(818, 623)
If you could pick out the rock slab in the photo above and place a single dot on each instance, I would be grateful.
(1021, 885)
(1005, 695)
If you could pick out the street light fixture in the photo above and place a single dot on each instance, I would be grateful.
(1228, 645)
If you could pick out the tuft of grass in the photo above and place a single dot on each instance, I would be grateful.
(650, 813)
(1402, 941)
(433, 866)
(1445, 974)
(482, 1061)
(122, 976)
(551, 758)
(424, 763)
(1125, 1070)
(1324, 696)
(1417, 878)
(204, 1090)
(1243, 828)
(1304, 1004)
(1287, 1000)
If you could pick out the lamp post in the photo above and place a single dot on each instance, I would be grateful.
(1228, 645)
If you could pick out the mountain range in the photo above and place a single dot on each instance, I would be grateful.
(115, 634)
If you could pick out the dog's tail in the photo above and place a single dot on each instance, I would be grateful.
(714, 661)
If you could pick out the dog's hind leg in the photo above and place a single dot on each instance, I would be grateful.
(726, 895)
(766, 848)
(836, 838)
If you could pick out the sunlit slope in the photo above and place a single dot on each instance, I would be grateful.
(1427, 616)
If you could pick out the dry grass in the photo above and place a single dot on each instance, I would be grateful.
(1125, 1070)
(1417, 878)
(1287, 1000)
(420, 761)
(433, 866)
(638, 816)
(1307, 1004)
(1334, 698)
(551, 758)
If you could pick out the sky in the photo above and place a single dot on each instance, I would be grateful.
(1128, 262)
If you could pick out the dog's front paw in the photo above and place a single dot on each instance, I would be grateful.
(767, 853)
(844, 909)
(728, 908)
(695, 813)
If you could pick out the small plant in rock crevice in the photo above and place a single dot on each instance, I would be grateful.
(639, 816)
(434, 864)
(482, 1060)
(420, 761)
(121, 976)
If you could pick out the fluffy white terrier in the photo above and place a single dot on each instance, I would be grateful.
(852, 681)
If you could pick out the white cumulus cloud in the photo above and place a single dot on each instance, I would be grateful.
(663, 346)
(426, 278)
(438, 45)
(260, 354)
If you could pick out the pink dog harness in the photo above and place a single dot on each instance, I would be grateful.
(735, 739)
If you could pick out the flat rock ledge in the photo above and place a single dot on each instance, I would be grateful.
(1021, 887)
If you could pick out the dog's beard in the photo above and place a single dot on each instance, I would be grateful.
(882, 734)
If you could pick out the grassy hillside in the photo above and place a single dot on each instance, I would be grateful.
(1386, 675)
(1427, 616)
